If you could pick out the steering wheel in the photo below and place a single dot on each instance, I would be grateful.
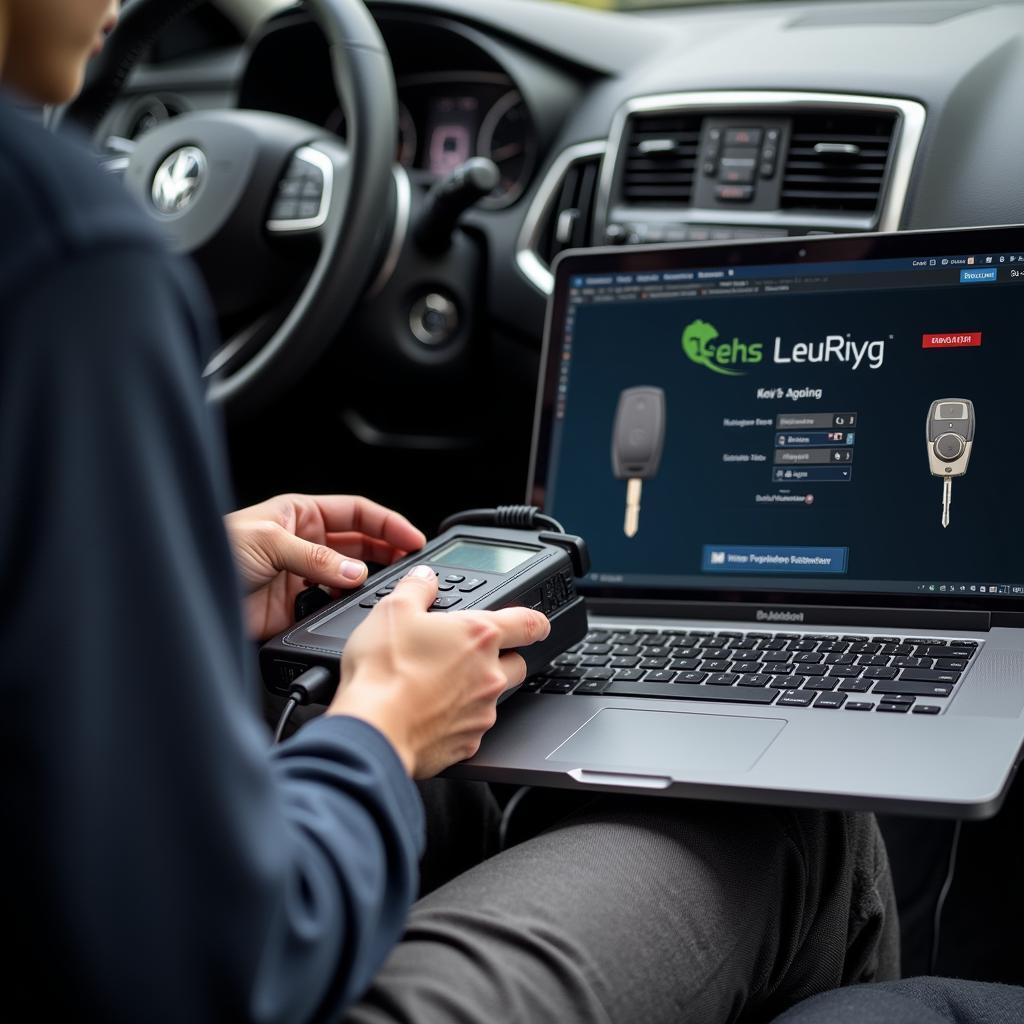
(236, 189)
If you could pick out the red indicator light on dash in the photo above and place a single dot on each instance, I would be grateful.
(969, 339)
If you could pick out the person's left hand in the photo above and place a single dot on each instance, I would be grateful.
(286, 543)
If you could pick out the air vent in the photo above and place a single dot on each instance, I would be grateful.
(569, 222)
(661, 159)
(837, 162)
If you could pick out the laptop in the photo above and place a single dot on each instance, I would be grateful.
(797, 467)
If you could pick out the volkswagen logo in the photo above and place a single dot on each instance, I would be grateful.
(178, 180)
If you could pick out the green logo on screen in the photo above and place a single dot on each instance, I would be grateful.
(701, 345)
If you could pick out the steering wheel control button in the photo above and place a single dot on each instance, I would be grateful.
(178, 180)
(304, 193)
(434, 319)
(473, 583)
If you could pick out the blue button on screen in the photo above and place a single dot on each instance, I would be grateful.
(754, 559)
(968, 274)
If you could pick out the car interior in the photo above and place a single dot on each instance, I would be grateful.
(389, 344)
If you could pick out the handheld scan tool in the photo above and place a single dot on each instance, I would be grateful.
(478, 567)
(950, 433)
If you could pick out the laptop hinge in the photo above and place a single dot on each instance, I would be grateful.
(782, 615)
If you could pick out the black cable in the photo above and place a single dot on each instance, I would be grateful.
(314, 686)
(293, 703)
(941, 901)
(515, 517)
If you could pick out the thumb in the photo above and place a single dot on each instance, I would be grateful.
(315, 562)
(418, 588)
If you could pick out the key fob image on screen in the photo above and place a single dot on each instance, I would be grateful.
(950, 437)
(638, 437)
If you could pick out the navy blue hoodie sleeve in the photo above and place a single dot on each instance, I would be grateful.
(162, 863)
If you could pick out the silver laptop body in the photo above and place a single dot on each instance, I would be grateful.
(803, 590)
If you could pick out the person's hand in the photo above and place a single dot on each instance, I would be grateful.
(285, 543)
(430, 681)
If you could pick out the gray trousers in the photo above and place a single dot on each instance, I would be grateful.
(637, 909)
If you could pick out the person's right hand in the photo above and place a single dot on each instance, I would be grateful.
(430, 682)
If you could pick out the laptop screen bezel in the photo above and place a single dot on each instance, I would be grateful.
(797, 251)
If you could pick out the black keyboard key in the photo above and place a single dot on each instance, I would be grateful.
(965, 643)
(595, 649)
(830, 700)
(645, 630)
(806, 658)
(946, 652)
(716, 666)
(858, 705)
(887, 639)
(714, 642)
(950, 664)
(745, 655)
(873, 660)
(628, 673)
(660, 675)
(819, 683)
(685, 665)
(813, 670)
(533, 684)
(691, 677)
(865, 648)
(624, 662)
(595, 636)
(777, 657)
(753, 679)
(803, 646)
(845, 671)
(895, 708)
(655, 651)
(597, 673)
(855, 685)
(905, 686)
(781, 683)
(773, 645)
(623, 638)
(839, 659)
(595, 686)
(794, 698)
(558, 686)
(902, 649)
(653, 662)
(880, 673)
(834, 647)
(685, 691)
(566, 672)
(779, 670)
(729, 635)
(911, 662)
(788, 636)
(759, 636)
(625, 650)
(923, 675)
(743, 645)
(721, 679)
(594, 661)
(856, 639)
(926, 709)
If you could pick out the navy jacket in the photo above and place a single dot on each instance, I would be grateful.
(160, 862)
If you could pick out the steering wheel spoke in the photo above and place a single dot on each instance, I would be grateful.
(305, 195)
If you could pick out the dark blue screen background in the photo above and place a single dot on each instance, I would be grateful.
(888, 515)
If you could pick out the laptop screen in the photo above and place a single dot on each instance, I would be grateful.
(832, 416)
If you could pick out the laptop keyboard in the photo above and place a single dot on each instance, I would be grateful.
(852, 672)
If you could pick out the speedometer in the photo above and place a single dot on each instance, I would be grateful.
(506, 138)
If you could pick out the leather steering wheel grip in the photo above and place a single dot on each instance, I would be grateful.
(364, 78)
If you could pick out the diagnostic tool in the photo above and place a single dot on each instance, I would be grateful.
(478, 567)
(950, 433)
(637, 440)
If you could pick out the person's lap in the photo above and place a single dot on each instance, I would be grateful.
(642, 909)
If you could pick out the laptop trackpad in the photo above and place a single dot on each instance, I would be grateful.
(668, 742)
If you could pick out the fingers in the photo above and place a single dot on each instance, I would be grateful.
(347, 513)
(514, 667)
(313, 562)
(519, 627)
(418, 589)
